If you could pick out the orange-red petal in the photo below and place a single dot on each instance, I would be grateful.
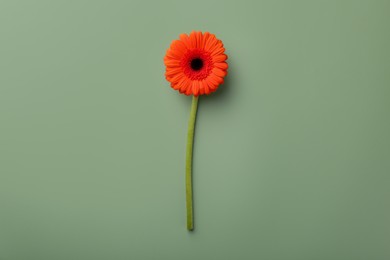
(219, 58)
(219, 72)
(221, 65)
(201, 87)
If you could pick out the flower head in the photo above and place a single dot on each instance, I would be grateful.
(196, 63)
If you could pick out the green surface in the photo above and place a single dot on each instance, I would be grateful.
(292, 154)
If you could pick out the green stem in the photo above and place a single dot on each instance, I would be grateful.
(190, 143)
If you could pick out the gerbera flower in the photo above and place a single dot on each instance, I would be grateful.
(196, 64)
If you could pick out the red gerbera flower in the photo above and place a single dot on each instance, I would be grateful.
(196, 64)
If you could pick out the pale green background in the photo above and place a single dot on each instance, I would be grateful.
(292, 154)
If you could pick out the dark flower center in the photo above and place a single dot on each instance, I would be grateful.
(196, 64)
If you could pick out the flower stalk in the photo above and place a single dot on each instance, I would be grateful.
(190, 144)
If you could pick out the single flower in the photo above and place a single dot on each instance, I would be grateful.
(195, 65)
